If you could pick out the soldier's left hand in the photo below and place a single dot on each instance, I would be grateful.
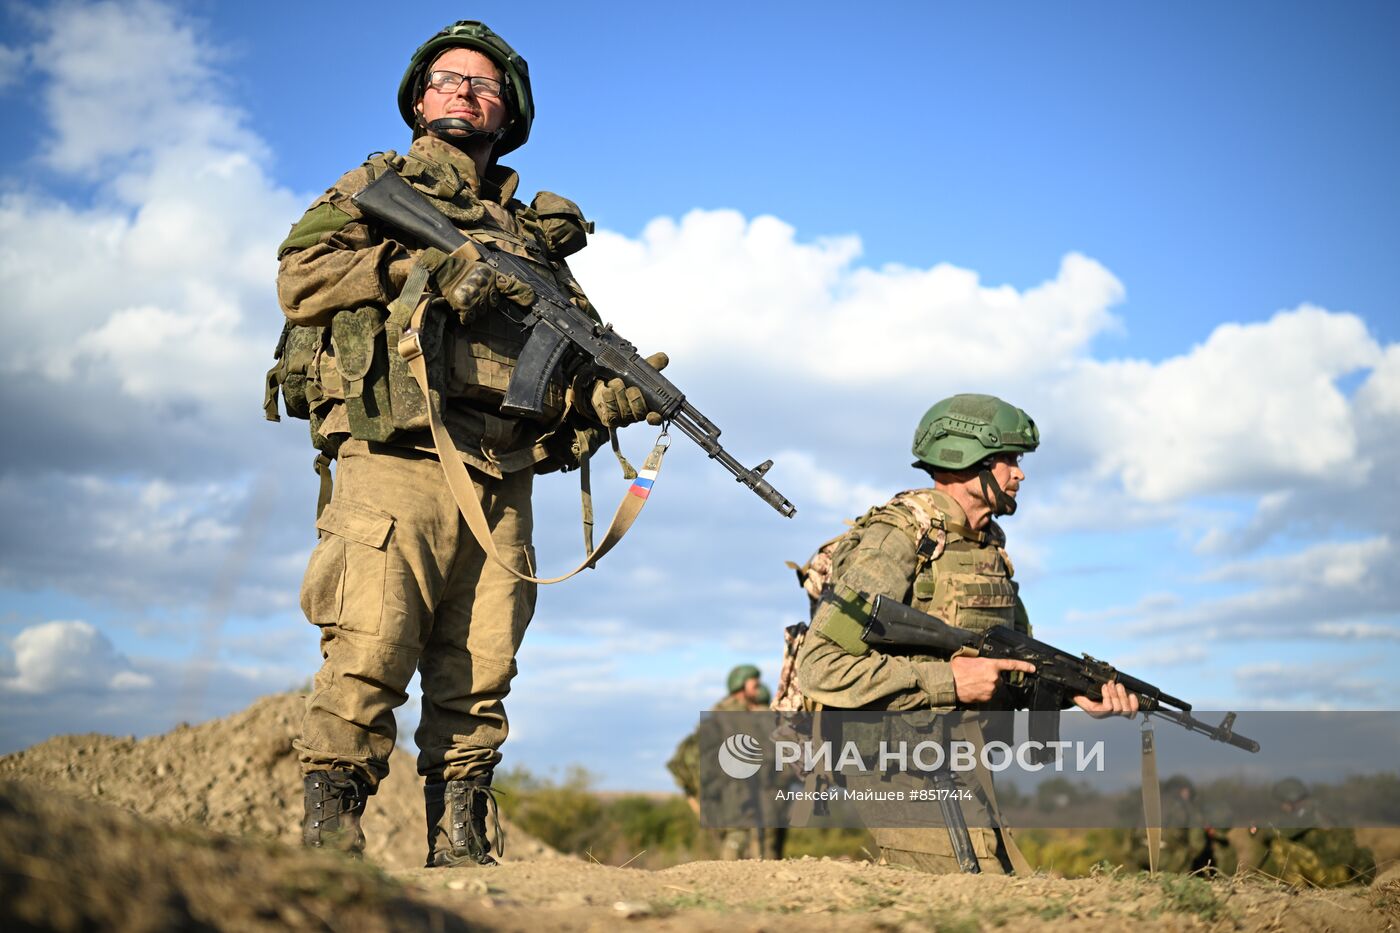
(1117, 701)
(617, 404)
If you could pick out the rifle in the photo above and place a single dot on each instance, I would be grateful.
(1058, 675)
(555, 326)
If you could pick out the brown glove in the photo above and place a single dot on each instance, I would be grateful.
(617, 404)
(470, 285)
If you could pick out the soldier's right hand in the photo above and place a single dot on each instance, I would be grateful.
(470, 285)
(976, 679)
(617, 404)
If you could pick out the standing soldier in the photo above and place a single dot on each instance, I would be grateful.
(744, 694)
(940, 551)
(396, 582)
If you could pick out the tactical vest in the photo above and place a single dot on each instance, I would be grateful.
(964, 581)
(355, 359)
(968, 585)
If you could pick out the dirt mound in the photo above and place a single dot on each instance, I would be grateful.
(71, 864)
(238, 775)
(67, 864)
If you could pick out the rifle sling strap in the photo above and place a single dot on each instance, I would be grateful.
(459, 481)
(585, 491)
(1018, 860)
(1151, 796)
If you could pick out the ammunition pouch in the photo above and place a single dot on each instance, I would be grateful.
(381, 398)
(295, 377)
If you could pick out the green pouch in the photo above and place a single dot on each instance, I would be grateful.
(382, 399)
(290, 374)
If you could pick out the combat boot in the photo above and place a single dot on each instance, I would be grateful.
(457, 812)
(334, 802)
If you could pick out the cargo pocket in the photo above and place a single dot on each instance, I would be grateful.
(321, 587)
(359, 535)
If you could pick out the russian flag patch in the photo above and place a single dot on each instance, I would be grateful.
(641, 486)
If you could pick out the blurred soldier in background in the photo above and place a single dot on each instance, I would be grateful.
(1194, 833)
(746, 694)
(1304, 848)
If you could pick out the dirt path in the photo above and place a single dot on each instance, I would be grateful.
(819, 895)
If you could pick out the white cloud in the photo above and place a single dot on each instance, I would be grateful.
(1334, 565)
(749, 293)
(1358, 630)
(814, 484)
(68, 656)
(154, 543)
(66, 676)
(164, 286)
(1331, 685)
(129, 81)
(1177, 655)
(1252, 407)
(1380, 394)
(1152, 603)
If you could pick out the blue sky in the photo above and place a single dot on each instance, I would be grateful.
(1167, 231)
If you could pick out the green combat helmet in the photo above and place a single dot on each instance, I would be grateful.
(960, 432)
(471, 34)
(1291, 791)
(740, 676)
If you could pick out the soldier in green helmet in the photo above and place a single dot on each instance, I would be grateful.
(745, 695)
(940, 550)
(743, 685)
(1305, 849)
(396, 582)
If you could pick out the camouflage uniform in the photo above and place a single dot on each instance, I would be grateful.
(1315, 853)
(736, 842)
(397, 582)
(1185, 844)
(915, 550)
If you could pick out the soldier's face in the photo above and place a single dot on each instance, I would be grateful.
(1007, 473)
(484, 113)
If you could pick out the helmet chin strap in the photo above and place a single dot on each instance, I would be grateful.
(459, 132)
(996, 497)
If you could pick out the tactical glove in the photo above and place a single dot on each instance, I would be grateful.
(617, 404)
(470, 285)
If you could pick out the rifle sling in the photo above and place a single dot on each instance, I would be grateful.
(459, 481)
(1018, 860)
(1151, 796)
